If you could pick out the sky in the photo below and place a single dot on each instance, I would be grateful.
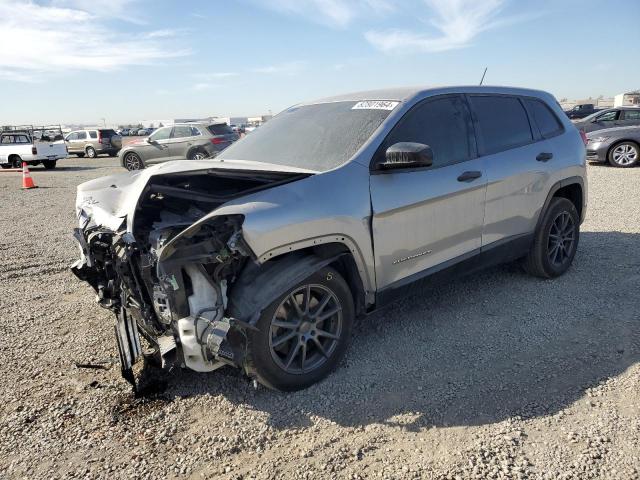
(120, 61)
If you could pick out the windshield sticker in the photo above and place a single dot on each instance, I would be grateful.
(375, 105)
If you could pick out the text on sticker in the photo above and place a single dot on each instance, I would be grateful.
(375, 105)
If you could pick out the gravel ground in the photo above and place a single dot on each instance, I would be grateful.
(498, 375)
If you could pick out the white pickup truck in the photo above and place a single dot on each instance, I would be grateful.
(34, 145)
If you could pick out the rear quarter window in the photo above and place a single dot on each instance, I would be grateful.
(545, 119)
(93, 134)
(502, 122)
(108, 133)
(220, 129)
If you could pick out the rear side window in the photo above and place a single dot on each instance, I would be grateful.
(93, 134)
(632, 114)
(443, 124)
(182, 131)
(546, 120)
(220, 129)
(503, 122)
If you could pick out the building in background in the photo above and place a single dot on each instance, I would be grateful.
(627, 99)
(600, 102)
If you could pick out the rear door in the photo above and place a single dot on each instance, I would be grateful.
(182, 140)
(519, 161)
(428, 217)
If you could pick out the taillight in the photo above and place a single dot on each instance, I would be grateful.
(584, 137)
(99, 136)
(34, 150)
(218, 141)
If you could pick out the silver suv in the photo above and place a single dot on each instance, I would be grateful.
(193, 141)
(263, 257)
(93, 142)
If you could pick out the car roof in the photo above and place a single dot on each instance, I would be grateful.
(402, 94)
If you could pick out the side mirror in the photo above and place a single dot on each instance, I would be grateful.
(407, 155)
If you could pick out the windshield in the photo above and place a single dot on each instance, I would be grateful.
(314, 137)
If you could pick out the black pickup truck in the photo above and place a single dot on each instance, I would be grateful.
(581, 110)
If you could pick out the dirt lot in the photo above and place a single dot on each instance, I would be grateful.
(498, 375)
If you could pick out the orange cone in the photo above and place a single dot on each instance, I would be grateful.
(27, 181)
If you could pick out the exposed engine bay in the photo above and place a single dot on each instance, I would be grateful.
(169, 282)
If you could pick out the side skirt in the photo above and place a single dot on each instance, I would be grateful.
(496, 253)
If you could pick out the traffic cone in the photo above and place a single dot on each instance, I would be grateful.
(27, 181)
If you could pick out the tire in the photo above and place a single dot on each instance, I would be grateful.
(624, 155)
(556, 240)
(16, 161)
(90, 152)
(113, 154)
(197, 155)
(49, 164)
(289, 356)
(132, 161)
(80, 155)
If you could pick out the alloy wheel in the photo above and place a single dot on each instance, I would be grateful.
(562, 236)
(625, 154)
(305, 329)
(132, 162)
(199, 156)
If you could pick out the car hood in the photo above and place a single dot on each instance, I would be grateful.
(109, 201)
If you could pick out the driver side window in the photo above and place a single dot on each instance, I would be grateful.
(161, 134)
(443, 123)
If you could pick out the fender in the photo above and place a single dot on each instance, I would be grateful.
(258, 285)
(557, 186)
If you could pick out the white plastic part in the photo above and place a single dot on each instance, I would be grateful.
(191, 330)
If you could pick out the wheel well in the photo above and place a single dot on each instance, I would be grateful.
(195, 149)
(13, 156)
(345, 265)
(573, 193)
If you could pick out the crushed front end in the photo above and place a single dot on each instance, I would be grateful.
(165, 280)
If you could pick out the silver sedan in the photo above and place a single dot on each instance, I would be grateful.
(618, 146)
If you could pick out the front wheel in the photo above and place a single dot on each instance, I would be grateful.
(556, 240)
(624, 155)
(303, 334)
(132, 161)
(91, 152)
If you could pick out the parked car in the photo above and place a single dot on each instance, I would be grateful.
(33, 145)
(94, 142)
(581, 111)
(193, 141)
(262, 257)
(620, 146)
(143, 132)
(609, 118)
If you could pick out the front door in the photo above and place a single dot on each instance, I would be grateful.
(181, 141)
(430, 217)
(156, 147)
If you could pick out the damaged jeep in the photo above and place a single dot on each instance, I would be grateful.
(263, 257)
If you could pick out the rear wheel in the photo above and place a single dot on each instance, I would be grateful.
(15, 161)
(197, 155)
(303, 334)
(556, 240)
(132, 161)
(624, 155)
(91, 152)
(49, 164)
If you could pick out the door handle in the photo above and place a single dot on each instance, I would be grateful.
(544, 157)
(469, 176)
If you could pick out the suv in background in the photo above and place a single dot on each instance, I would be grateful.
(581, 111)
(263, 257)
(193, 141)
(93, 142)
(610, 118)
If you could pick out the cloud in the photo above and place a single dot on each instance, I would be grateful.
(215, 75)
(56, 39)
(457, 23)
(335, 13)
(288, 68)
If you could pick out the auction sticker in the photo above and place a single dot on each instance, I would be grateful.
(375, 105)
